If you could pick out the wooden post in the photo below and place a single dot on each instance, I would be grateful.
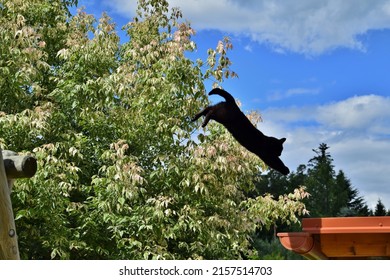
(19, 166)
(11, 166)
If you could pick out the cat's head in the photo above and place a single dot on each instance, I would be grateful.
(277, 146)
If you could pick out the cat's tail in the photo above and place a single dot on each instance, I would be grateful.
(224, 94)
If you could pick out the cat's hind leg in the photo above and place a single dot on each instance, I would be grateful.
(204, 112)
(207, 112)
(207, 118)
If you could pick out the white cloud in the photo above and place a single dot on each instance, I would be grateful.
(283, 94)
(302, 26)
(357, 131)
(248, 48)
(368, 113)
(302, 91)
(126, 8)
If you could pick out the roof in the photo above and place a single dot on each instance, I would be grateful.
(340, 238)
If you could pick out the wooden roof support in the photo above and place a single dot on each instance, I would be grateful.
(17, 166)
(11, 166)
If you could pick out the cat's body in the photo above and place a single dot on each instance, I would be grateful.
(229, 114)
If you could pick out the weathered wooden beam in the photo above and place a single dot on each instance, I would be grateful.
(9, 249)
(17, 166)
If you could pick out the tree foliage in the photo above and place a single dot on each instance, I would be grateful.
(380, 209)
(122, 172)
(331, 192)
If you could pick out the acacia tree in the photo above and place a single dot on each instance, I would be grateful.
(122, 171)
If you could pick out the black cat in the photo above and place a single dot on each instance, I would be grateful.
(229, 114)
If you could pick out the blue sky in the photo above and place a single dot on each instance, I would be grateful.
(317, 71)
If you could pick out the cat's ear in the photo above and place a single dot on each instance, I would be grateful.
(282, 140)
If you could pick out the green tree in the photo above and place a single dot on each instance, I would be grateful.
(273, 250)
(331, 195)
(123, 173)
(380, 209)
(275, 184)
(320, 182)
(347, 198)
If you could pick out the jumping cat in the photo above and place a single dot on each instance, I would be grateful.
(229, 115)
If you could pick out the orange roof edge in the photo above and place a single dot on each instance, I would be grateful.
(347, 225)
(302, 243)
(340, 238)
